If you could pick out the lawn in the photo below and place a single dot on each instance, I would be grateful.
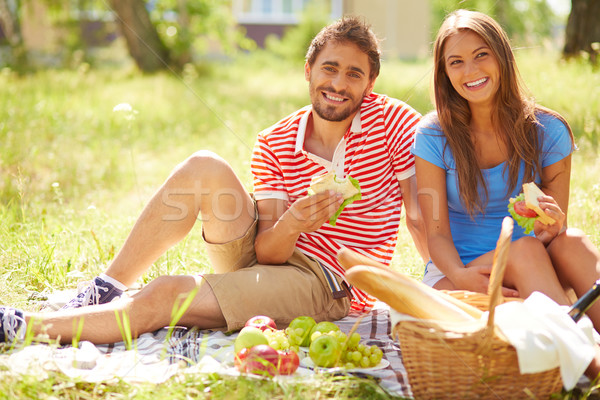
(74, 175)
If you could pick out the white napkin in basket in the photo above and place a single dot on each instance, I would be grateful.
(546, 337)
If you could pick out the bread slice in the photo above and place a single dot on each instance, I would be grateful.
(329, 181)
(532, 192)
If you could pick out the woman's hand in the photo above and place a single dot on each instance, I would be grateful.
(476, 278)
(545, 233)
(473, 278)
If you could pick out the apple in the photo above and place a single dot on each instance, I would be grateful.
(262, 322)
(288, 362)
(299, 331)
(249, 336)
(240, 359)
(324, 327)
(262, 360)
(325, 351)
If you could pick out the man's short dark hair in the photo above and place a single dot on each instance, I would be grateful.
(348, 29)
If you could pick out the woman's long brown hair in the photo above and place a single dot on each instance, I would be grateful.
(514, 112)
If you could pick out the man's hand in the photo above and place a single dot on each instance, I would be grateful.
(309, 213)
(279, 227)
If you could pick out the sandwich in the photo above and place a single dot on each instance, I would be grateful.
(348, 187)
(525, 208)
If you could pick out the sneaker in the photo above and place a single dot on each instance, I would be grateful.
(12, 324)
(97, 292)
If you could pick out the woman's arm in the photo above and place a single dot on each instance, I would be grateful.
(431, 186)
(556, 183)
(414, 219)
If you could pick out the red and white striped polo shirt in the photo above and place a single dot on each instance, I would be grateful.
(375, 150)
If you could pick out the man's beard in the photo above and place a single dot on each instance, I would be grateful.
(332, 113)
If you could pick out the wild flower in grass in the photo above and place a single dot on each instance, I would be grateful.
(126, 110)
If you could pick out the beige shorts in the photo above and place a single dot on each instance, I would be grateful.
(283, 292)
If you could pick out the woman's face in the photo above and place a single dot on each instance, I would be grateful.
(472, 68)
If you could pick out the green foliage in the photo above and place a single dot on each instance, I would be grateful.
(532, 29)
(294, 43)
(192, 27)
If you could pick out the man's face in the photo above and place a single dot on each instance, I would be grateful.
(338, 81)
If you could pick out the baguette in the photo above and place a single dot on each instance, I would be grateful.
(349, 258)
(532, 192)
(406, 295)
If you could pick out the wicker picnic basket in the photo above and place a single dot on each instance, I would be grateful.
(450, 360)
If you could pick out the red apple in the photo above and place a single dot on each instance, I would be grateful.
(288, 362)
(262, 322)
(262, 360)
(240, 359)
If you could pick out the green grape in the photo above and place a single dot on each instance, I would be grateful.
(374, 360)
(348, 356)
(360, 348)
(354, 340)
(315, 335)
(365, 362)
(356, 356)
(349, 365)
(366, 352)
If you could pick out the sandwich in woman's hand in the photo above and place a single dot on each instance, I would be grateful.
(525, 208)
(347, 187)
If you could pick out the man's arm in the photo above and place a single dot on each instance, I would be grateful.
(279, 227)
(414, 219)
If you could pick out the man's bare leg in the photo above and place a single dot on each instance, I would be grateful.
(205, 185)
(147, 310)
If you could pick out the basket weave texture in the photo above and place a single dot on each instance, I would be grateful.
(473, 360)
(447, 360)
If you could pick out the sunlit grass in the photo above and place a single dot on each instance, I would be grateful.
(74, 175)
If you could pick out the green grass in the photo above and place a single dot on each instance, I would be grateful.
(74, 175)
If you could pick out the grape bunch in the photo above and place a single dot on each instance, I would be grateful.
(354, 354)
(296, 336)
(279, 340)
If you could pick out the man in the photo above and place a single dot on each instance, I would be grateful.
(273, 253)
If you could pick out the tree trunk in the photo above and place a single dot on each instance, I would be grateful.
(9, 22)
(144, 44)
(583, 29)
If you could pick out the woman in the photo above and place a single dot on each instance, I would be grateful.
(486, 139)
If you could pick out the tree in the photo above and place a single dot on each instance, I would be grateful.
(583, 30)
(510, 14)
(11, 27)
(145, 46)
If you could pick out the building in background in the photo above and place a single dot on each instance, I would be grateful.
(404, 25)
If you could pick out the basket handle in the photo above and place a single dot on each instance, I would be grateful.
(498, 267)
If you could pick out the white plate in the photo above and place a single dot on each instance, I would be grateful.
(306, 362)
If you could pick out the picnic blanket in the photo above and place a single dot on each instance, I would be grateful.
(157, 356)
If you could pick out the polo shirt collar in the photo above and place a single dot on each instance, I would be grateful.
(355, 127)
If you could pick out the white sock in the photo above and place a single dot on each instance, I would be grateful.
(112, 281)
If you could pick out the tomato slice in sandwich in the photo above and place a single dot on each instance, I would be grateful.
(523, 211)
